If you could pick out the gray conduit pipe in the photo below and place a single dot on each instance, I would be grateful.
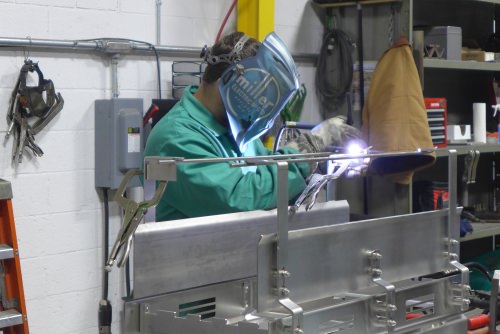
(121, 48)
(101, 45)
(158, 22)
(115, 91)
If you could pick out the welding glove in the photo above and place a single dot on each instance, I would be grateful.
(331, 135)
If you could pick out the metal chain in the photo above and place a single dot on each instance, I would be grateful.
(390, 30)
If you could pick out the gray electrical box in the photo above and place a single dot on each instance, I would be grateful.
(118, 140)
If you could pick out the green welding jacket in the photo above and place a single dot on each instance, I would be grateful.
(190, 131)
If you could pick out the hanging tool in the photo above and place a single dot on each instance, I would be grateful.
(30, 102)
(134, 212)
(334, 72)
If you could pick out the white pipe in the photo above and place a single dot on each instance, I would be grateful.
(158, 22)
(115, 91)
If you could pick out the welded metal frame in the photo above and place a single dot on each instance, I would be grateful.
(372, 305)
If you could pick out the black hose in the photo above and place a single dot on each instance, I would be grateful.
(106, 244)
(481, 268)
(105, 311)
(334, 71)
(127, 277)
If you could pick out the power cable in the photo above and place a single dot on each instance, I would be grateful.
(480, 268)
(225, 20)
(334, 71)
(105, 309)
(106, 242)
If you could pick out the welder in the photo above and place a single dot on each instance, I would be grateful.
(244, 87)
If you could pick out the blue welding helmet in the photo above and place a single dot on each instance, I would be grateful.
(255, 89)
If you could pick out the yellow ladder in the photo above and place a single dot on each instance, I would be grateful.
(13, 318)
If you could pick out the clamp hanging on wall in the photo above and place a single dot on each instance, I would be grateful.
(38, 102)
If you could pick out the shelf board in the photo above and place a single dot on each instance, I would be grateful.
(355, 3)
(482, 230)
(464, 149)
(461, 65)
(489, 1)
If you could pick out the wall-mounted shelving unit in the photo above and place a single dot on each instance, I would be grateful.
(463, 83)
(461, 65)
(465, 149)
(483, 230)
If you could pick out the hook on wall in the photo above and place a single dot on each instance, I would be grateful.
(27, 52)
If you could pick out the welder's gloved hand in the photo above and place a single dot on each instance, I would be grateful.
(330, 135)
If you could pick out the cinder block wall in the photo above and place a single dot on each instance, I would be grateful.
(58, 211)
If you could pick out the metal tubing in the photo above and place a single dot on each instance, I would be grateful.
(158, 22)
(96, 45)
(453, 224)
(99, 45)
(46, 43)
(114, 76)
(298, 157)
(282, 206)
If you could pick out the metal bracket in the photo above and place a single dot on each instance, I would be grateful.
(161, 168)
(297, 315)
(384, 310)
(459, 293)
(281, 274)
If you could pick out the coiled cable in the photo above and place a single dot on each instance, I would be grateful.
(334, 71)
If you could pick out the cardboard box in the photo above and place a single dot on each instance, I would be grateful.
(477, 55)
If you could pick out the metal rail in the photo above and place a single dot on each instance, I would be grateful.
(159, 168)
(116, 46)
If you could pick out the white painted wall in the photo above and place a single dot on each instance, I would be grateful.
(58, 211)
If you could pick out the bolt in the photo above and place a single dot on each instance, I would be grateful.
(391, 323)
(392, 308)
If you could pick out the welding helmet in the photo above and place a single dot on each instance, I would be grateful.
(255, 89)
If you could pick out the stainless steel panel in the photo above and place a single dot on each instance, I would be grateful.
(347, 313)
(176, 255)
(232, 299)
(165, 322)
(351, 314)
(328, 260)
